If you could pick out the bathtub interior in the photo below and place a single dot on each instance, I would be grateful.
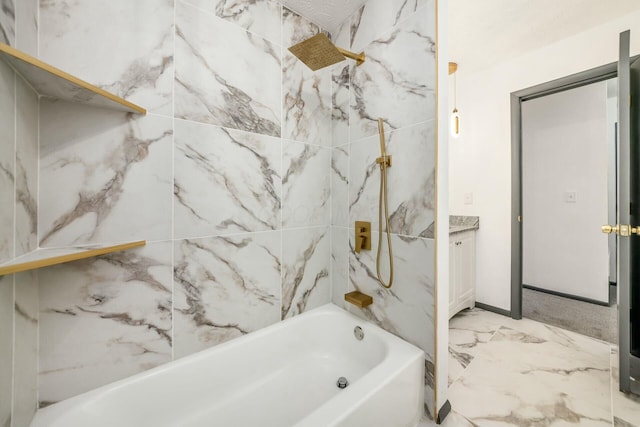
(274, 377)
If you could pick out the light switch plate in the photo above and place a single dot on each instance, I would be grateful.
(468, 198)
(571, 197)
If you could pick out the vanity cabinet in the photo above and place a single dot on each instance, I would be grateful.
(462, 271)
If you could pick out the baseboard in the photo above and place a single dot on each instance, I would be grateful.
(443, 412)
(560, 294)
(493, 309)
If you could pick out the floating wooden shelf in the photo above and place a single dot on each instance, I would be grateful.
(52, 256)
(51, 82)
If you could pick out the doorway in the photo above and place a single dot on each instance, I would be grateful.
(627, 70)
(569, 183)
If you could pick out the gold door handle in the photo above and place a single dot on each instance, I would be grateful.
(621, 230)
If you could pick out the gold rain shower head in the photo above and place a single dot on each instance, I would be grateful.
(318, 52)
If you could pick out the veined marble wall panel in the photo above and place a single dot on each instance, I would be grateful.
(306, 267)
(375, 17)
(104, 319)
(306, 93)
(306, 185)
(261, 17)
(339, 264)
(226, 181)
(340, 89)
(225, 75)
(123, 46)
(26, 216)
(340, 186)
(104, 176)
(6, 348)
(7, 161)
(410, 179)
(398, 80)
(406, 309)
(225, 287)
(25, 383)
(27, 26)
(7, 22)
(108, 177)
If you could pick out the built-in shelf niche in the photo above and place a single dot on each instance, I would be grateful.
(50, 82)
(51, 256)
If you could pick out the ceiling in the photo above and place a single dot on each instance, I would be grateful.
(482, 33)
(328, 14)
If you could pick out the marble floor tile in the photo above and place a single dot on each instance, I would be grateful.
(520, 378)
(468, 331)
(626, 407)
(528, 373)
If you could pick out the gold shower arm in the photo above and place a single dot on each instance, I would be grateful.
(358, 57)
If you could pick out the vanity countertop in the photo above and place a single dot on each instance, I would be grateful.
(458, 223)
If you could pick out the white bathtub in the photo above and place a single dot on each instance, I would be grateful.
(283, 375)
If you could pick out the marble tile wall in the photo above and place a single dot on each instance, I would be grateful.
(397, 82)
(227, 178)
(18, 222)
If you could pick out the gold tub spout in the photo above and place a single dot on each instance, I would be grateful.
(358, 299)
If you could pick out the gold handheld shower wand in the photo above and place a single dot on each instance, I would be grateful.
(385, 162)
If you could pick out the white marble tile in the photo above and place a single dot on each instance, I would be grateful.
(7, 22)
(406, 309)
(306, 94)
(397, 81)
(104, 319)
(306, 264)
(261, 17)
(116, 172)
(226, 181)
(225, 287)
(469, 330)
(6, 348)
(339, 264)
(377, 16)
(340, 186)
(306, 102)
(410, 179)
(25, 384)
(27, 26)
(296, 28)
(135, 61)
(548, 377)
(340, 98)
(225, 75)
(7, 161)
(26, 215)
(306, 185)
(626, 407)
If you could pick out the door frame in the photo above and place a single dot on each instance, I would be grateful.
(583, 78)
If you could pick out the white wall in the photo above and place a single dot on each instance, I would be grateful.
(564, 147)
(481, 156)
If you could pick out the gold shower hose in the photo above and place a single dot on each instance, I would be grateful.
(384, 161)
